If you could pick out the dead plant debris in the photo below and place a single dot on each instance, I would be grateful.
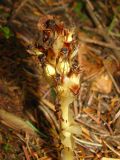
(38, 35)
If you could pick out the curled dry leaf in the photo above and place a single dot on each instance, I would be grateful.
(102, 84)
(90, 63)
(111, 64)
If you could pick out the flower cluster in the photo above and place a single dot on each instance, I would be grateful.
(56, 47)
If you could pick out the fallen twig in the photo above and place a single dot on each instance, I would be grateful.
(104, 32)
(111, 148)
(86, 142)
(100, 43)
(26, 153)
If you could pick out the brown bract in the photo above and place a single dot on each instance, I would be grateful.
(58, 43)
(75, 89)
(50, 22)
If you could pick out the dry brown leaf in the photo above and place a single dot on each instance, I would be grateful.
(102, 84)
(111, 64)
(89, 62)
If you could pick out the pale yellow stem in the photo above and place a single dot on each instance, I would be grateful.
(66, 136)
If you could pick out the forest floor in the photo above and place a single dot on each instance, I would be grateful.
(25, 131)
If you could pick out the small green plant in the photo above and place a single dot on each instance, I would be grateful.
(6, 31)
(7, 147)
(78, 10)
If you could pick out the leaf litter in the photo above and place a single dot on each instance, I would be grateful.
(96, 107)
